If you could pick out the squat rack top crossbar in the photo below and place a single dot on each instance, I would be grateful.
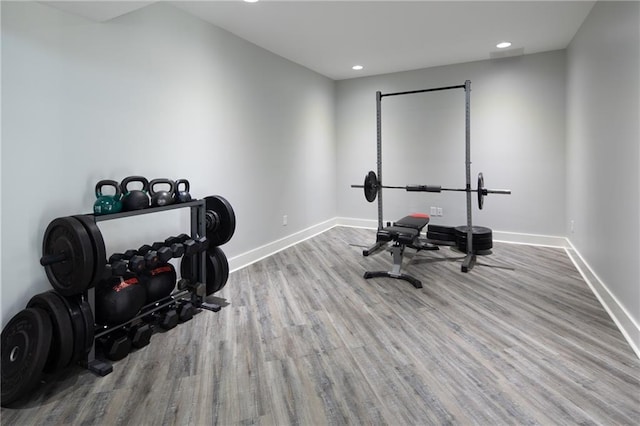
(411, 92)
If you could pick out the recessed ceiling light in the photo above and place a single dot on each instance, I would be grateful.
(357, 67)
(251, 1)
(503, 45)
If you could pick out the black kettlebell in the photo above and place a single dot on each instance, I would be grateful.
(162, 198)
(136, 199)
(107, 204)
(182, 196)
(118, 299)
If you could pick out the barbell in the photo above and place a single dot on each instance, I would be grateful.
(372, 185)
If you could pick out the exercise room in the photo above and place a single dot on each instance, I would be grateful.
(320, 212)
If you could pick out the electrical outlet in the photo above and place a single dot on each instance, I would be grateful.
(433, 211)
(285, 220)
(439, 211)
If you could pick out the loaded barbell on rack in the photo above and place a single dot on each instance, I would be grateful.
(372, 186)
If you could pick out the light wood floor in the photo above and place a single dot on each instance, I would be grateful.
(305, 340)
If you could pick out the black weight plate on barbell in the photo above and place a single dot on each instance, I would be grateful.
(370, 186)
(99, 250)
(62, 330)
(226, 225)
(26, 340)
(479, 247)
(480, 190)
(73, 275)
(223, 263)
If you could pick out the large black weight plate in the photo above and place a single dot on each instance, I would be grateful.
(213, 271)
(441, 229)
(62, 330)
(480, 189)
(66, 235)
(223, 263)
(79, 328)
(370, 186)
(25, 347)
(222, 230)
(89, 324)
(482, 238)
(99, 250)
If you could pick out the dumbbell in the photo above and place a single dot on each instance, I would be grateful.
(166, 319)
(186, 311)
(150, 256)
(116, 345)
(140, 335)
(129, 259)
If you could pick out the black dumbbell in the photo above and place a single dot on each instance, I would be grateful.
(168, 319)
(186, 311)
(116, 345)
(140, 335)
(132, 262)
(150, 256)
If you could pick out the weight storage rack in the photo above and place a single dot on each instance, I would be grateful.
(198, 229)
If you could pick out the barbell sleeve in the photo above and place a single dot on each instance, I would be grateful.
(50, 259)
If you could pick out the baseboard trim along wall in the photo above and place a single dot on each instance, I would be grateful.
(626, 324)
(628, 327)
(245, 259)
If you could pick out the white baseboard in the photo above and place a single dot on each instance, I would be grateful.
(626, 324)
(530, 239)
(245, 259)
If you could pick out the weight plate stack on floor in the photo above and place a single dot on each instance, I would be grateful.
(26, 341)
(482, 239)
(221, 220)
(441, 233)
(61, 349)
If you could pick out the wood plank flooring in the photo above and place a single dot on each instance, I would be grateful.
(305, 340)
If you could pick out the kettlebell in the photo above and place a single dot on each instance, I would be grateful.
(136, 199)
(182, 196)
(107, 204)
(162, 198)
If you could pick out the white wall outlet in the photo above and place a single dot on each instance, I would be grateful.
(439, 211)
(433, 211)
(285, 220)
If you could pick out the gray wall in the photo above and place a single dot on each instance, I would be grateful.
(159, 93)
(517, 141)
(603, 158)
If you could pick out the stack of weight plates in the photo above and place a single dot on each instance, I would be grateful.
(442, 235)
(482, 239)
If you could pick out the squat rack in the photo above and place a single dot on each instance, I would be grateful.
(470, 259)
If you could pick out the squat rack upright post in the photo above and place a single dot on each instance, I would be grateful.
(470, 258)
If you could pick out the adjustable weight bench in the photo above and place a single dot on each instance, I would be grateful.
(404, 233)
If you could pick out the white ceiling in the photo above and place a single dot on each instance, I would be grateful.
(383, 36)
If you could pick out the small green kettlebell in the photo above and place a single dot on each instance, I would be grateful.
(107, 204)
